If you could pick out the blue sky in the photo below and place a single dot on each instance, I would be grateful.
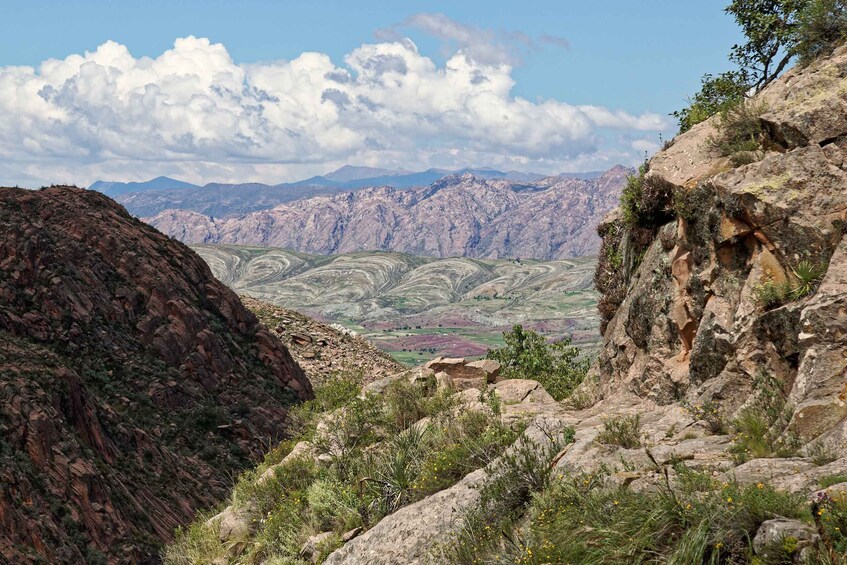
(632, 58)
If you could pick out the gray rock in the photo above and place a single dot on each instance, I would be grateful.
(775, 537)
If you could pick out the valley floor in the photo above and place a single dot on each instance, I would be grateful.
(416, 308)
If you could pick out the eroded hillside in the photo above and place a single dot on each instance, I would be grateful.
(132, 382)
(415, 307)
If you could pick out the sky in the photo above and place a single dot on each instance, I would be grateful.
(275, 91)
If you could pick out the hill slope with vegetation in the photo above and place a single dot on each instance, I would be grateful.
(711, 429)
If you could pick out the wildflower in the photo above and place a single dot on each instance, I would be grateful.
(760, 486)
(729, 499)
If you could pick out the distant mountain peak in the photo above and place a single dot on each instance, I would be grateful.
(354, 172)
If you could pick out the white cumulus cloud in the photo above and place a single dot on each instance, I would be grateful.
(194, 113)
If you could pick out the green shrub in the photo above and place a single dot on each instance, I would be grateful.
(717, 94)
(559, 367)
(646, 201)
(710, 413)
(516, 478)
(830, 515)
(624, 431)
(771, 294)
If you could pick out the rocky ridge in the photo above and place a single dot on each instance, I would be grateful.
(467, 216)
(712, 314)
(323, 350)
(132, 382)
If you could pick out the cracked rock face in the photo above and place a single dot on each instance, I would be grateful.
(132, 383)
(749, 226)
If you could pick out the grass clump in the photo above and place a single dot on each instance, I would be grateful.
(758, 426)
(584, 520)
(771, 294)
(807, 276)
(559, 366)
(623, 431)
(519, 475)
(376, 456)
(739, 132)
(830, 480)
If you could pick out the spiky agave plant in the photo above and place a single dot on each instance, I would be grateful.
(808, 277)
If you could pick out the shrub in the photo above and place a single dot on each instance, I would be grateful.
(559, 367)
(710, 413)
(646, 201)
(516, 477)
(717, 94)
(771, 294)
(624, 431)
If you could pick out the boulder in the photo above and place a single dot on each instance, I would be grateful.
(477, 383)
(311, 549)
(234, 524)
(459, 368)
(781, 537)
(301, 449)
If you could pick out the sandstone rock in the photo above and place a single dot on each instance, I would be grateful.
(819, 392)
(347, 536)
(476, 383)
(767, 470)
(444, 381)
(805, 106)
(489, 366)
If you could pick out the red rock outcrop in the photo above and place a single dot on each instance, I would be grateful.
(133, 384)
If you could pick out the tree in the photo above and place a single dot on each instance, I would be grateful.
(770, 29)
(559, 367)
(776, 32)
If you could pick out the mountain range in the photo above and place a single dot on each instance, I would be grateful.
(221, 199)
(458, 215)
